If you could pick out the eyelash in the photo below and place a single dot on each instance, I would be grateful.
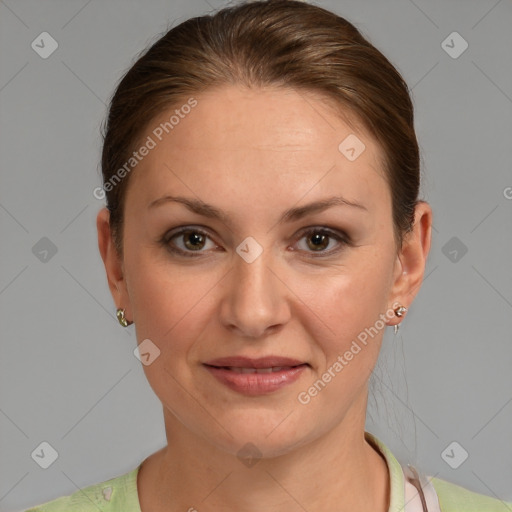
(340, 237)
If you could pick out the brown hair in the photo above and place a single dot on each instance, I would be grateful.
(284, 43)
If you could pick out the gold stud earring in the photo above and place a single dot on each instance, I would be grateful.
(121, 318)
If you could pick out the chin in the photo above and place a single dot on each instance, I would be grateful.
(261, 436)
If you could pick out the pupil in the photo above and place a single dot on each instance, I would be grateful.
(196, 238)
(319, 239)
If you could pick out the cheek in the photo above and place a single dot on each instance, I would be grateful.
(161, 296)
(353, 296)
(353, 307)
(173, 306)
(347, 316)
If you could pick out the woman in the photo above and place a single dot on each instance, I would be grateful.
(262, 229)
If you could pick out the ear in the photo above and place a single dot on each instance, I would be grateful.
(411, 260)
(113, 263)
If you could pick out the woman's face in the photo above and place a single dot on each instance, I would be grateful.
(257, 282)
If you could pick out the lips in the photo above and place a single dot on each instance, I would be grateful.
(256, 376)
(256, 370)
(262, 362)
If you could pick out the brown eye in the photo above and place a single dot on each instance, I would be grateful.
(319, 239)
(188, 241)
(193, 240)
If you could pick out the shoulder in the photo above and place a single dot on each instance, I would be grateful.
(454, 498)
(118, 494)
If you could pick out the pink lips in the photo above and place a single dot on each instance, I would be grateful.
(256, 376)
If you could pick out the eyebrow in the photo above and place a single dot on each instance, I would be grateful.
(290, 215)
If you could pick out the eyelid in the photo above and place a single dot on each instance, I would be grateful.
(325, 228)
(337, 234)
(168, 236)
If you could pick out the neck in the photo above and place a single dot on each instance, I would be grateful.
(338, 471)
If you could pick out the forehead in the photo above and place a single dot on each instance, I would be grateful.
(274, 117)
(236, 138)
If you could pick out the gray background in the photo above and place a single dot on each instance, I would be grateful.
(68, 375)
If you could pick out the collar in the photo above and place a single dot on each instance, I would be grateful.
(396, 475)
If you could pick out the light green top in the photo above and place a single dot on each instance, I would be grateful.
(120, 494)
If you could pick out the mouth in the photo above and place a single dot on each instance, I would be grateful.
(257, 363)
(272, 369)
(256, 376)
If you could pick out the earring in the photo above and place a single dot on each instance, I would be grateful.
(399, 311)
(121, 318)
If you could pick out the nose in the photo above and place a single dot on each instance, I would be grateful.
(255, 298)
